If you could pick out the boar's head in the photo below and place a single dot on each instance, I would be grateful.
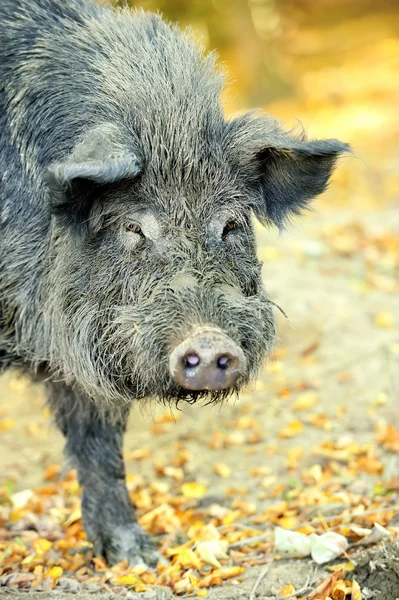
(154, 287)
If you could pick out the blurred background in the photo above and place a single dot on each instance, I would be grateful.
(331, 64)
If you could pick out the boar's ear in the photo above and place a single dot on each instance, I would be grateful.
(284, 172)
(98, 159)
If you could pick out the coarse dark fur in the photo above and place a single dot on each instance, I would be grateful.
(111, 118)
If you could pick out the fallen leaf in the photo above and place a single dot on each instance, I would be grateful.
(384, 319)
(193, 490)
(54, 573)
(41, 546)
(291, 430)
(305, 401)
(52, 472)
(139, 454)
(340, 590)
(129, 580)
(269, 253)
(327, 546)
(220, 575)
(210, 551)
(6, 424)
(291, 543)
(377, 534)
(21, 499)
(222, 470)
(356, 593)
(185, 556)
(322, 592)
(76, 515)
(346, 567)
(287, 590)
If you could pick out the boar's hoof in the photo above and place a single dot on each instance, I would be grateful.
(128, 542)
(207, 360)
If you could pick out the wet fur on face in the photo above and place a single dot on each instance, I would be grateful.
(134, 297)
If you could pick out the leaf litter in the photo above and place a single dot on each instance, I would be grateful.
(43, 546)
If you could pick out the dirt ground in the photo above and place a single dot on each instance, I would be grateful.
(341, 342)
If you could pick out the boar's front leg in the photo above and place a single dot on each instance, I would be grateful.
(94, 444)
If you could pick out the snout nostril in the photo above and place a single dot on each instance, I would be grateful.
(191, 360)
(207, 360)
(223, 362)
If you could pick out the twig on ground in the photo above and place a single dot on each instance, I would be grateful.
(239, 526)
(352, 515)
(261, 575)
(252, 540)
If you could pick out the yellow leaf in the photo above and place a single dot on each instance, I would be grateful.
(287, 590)
(269, 253)
(174, 472)
(320, 420)
(219, 575)
(46, 412)
(73, 517)
(128, 580)
(294, 456)
(305, 401)
(292, 429)
(347, 566)
(356, 591)
(341, 589)
(6, 424)
(193, 490)
(54, 573)
(275, 367)
(384, 319)
(139, 454)
(288, 522)
(41, 546)
(187, 558)
(231, 516)
(222, 470)
(183, 586)
(179, 549)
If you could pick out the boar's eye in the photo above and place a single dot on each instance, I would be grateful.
(229, 227)
(134, 228)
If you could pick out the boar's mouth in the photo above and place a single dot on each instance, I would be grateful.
(199, 344)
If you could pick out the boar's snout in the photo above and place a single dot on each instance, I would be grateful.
(207, 360)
